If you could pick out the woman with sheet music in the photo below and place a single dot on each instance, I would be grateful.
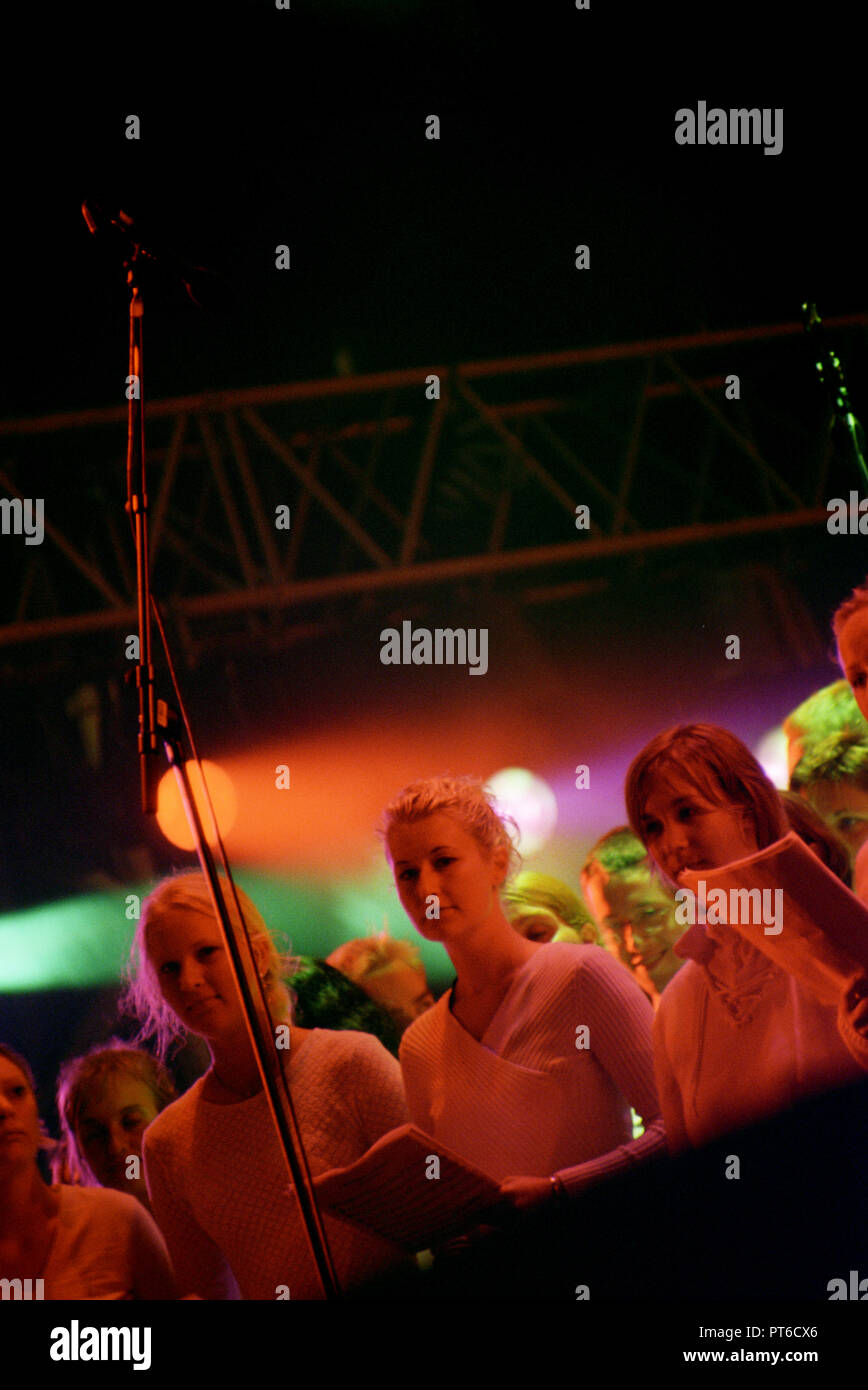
(528, 1066)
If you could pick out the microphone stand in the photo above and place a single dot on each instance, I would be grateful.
(831, 374)
(158, 721)
(137, 509)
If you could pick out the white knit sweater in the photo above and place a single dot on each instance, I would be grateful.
(218, 1183)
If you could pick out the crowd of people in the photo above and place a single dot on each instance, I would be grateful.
(588, 1029)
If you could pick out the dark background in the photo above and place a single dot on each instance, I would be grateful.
(260, 128)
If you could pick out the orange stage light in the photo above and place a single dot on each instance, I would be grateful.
(171, 817)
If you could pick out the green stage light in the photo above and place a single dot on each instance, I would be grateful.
(76, 943)
(84, 942)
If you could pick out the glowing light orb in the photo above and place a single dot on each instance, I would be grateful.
(531, 803)
(771, 754)
(171, 817)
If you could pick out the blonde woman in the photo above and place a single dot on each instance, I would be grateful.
(215, 1171)
(529, 1064)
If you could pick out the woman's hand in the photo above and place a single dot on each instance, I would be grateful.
(520, 1196)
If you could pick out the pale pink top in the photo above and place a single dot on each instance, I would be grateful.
(526, 1100)
(736, 1039)
(106, 1246)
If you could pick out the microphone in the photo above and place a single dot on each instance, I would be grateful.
(98, 219)
(200, 283)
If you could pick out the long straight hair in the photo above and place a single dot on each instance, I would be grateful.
(720, 767)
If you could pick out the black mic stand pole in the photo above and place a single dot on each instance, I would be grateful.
(153, 714)
(260, 1025)
(137, 507)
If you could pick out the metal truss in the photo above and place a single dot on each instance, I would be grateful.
(389, 488)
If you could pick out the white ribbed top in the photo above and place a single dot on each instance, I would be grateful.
(525, 1101)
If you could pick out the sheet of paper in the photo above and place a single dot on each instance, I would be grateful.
(409, 1188)
(802, 916)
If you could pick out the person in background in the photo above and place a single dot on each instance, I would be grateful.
(541, 908)
(326, 998)
(634, 910)
(850, 627)
(81, 1242)
(106, 1099)
(831, 710)
(832, 774)
(391, 972)
(818, 835)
